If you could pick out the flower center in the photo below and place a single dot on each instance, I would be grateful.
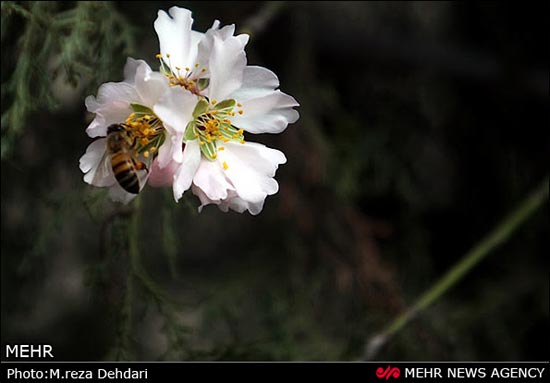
(212, 126)
(188, 78)
(146, 129)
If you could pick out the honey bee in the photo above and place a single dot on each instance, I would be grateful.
(121, 149)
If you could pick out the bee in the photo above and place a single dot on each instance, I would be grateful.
(121, 149)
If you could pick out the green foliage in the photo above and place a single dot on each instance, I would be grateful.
(83, 46)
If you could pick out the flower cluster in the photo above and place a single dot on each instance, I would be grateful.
(184, 125)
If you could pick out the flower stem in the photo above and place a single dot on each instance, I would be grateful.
(497, 237)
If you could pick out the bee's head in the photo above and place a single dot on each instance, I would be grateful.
(115, 128)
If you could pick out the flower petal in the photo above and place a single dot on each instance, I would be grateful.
(211, 179)
(268, 114)
(118, 194)
(111, 106)
(96, 165)
(170, 150)
(207, 43)
(187, 169)
(162, 176)
(250, 168)
(150, 85)
(257, 82)
(176, 38)
(226, 65)
(175, 109)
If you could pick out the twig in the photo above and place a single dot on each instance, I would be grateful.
(259, 21)
(497, 237)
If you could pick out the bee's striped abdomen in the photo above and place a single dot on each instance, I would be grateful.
(125, 171)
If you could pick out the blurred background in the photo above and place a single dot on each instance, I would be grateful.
(422, 125)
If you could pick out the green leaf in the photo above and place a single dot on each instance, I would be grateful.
(209, 149)
(189, 134)
(141, 109)
(201, 107)
(226, 104)
(203, 83)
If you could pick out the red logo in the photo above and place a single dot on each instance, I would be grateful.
(389, 372)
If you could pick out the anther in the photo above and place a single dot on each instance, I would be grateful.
(225, 167)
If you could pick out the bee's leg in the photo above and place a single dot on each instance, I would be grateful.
(141, 166)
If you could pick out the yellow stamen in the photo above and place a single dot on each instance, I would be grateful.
(158, 55)
(187, 69)
(241, 112)
(221, 148)
(239, 104)
(146, 154)
(225, 167)
(214, 102)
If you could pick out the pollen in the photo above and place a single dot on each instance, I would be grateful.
(168, 55)
(158, 55)
(214, 102)
(225, 167)
(196, 65)
(239, 104)
(214, 155)
(187, 69)
(146, 154)
(221, 148)
(178, 68)
(241, 112)
(153, 149)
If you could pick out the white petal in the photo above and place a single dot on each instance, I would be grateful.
(111, 106)
(250, 169)
(239, 205)
(188, 168)
(226, 65)
(130, 69)
(171, 149)
(176, 38)
(202, 197)
(175, 109)
(150, 85)
(118, 194)
(212, 180)
(257, 82)
(162, 177)
(96, 165)
(268, 114)
(207, 42)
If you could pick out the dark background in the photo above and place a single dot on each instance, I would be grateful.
(422, 125)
